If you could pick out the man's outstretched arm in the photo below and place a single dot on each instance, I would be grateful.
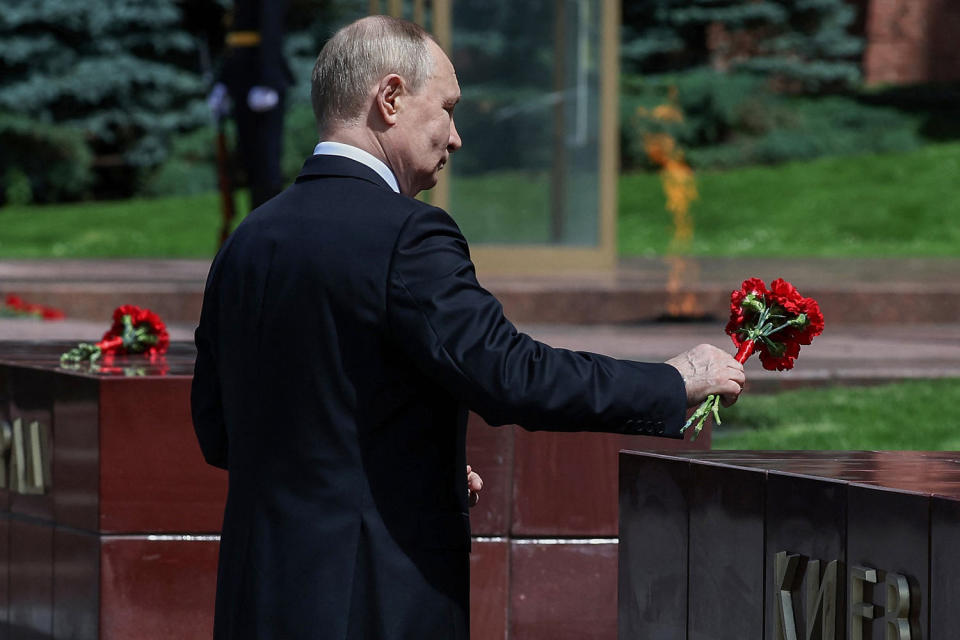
(455, 331)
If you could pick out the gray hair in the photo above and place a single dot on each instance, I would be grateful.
(357, 57)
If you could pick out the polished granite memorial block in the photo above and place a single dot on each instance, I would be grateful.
(855, 545)
(136, 592)
(654, 503)
(807, 516)
(563, 589)
(489, 587)
(945, 567)
(563, 482)
(725, 525)
(109, 515)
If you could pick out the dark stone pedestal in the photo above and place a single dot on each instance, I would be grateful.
(782, 545)
(109, 515)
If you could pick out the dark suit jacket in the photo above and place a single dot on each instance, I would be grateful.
(342, 340)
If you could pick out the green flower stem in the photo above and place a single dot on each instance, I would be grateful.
(761, 331)
(144, 337)
(709, 406)
(83, 352)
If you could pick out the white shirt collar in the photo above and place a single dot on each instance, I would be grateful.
(329, 148)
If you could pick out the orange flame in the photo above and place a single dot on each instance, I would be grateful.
(680, 189)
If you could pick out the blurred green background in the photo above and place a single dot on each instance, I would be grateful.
(795, 150)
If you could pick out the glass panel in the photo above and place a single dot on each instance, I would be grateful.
(529, 120)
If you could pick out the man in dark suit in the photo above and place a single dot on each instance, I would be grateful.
(343, 338)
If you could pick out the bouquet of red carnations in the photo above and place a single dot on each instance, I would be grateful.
(773, 322)
(134, 330)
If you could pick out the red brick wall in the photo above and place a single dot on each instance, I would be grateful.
(911, 41)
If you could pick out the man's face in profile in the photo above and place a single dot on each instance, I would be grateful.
(425, 134)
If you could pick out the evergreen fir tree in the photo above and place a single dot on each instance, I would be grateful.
(122, 71)
(805, 45)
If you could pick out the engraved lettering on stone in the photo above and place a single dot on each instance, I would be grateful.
(29, 458)
(6, 442)
(860, 608)
(820, 597)
(786, 574)
(18, 461)
(897, 614)
(821, 600)
(35, 464)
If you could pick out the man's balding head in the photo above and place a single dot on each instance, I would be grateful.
(357, 57)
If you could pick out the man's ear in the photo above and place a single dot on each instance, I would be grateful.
(389, 94)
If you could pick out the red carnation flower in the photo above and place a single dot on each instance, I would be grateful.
(774, 322)
(15, 305)
(134, 330)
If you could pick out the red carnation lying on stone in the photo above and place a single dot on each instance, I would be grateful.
(774, 322)
(134, 330)
(16, 306)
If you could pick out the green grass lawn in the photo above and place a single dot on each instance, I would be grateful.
(175, 227)
(874, 205)
(866, 206)
(919, 415)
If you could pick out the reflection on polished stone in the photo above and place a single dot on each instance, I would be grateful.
(98, 460)
(846, 543)
(178, 361)
(931, 472)
(126, 366)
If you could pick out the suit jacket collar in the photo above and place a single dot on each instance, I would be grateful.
(326, 165)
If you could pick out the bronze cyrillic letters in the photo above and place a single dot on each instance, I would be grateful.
(25, 457)
(821, 597)
(793, 570)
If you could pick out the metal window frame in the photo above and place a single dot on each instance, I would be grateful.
(521, 259)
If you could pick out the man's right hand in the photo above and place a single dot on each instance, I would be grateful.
(707, 370)
(474, 485)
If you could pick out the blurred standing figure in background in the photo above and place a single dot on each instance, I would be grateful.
(254, 76)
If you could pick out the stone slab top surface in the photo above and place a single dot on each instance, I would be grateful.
(632, 272)
(850, 290)
(104, 270)
(932, 473)
(45, 355)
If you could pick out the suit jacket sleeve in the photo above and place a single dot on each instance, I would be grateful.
(205, 398)
(455, 331)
